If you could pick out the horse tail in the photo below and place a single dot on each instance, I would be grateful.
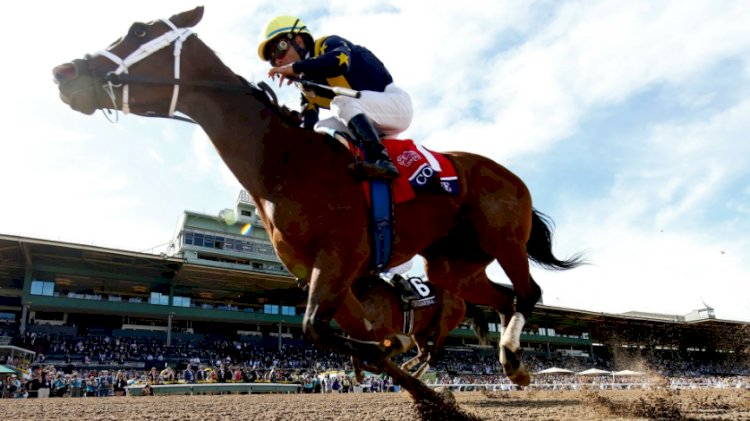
(479, 322)
(539, 246)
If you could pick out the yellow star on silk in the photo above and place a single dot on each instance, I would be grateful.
(343, 59)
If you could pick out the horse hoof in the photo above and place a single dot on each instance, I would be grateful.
(511, 361)
(521, 377)
(446, 394)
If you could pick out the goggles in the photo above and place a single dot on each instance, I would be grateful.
(279, 49)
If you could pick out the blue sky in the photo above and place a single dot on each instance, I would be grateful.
(629, 121)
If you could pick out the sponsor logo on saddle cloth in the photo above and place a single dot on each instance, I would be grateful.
(421, 170)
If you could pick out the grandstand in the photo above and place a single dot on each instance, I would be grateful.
(221, 278)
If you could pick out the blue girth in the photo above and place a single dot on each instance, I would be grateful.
(381, 224)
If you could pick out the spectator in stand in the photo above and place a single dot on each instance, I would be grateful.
(200, 374)
(168, 375)
(121, 381)
(59, 387)
(188, 375)
(153, 376)
(36, 382)
(14, 387)
(91, 385)
(45, 384)
(103, 384)
(237, 374)
(75, 385)
(224, 374)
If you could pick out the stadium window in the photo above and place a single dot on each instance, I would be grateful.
(198, 239)
(271, 309)
(246, 213)
(179, 301)
(188, 237)
(288, 311)
(159, 299)
(42, 288)
(8, 316)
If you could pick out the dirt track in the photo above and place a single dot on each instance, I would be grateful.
(570, 405)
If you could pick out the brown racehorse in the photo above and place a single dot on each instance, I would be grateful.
(309, 202)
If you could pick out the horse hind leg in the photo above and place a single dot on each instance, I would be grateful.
(468, 280)
(514, 261)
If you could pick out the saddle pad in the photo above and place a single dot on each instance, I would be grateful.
(420, 170)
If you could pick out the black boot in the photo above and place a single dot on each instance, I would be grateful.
(378, 163)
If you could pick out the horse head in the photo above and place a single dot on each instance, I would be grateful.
(103, 80)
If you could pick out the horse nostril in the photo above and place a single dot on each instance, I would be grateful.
(65, 72)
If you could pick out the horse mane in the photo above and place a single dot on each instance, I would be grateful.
(263, 93)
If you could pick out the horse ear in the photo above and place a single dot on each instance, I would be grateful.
(188, 19)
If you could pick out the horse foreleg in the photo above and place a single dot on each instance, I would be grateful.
(360, 366)
(324, 300)
(422, 368)
(408, 365)
(422, 360)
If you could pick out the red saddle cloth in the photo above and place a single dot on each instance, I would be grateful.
(420, 170)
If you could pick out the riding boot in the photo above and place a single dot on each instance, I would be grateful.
(377, 164)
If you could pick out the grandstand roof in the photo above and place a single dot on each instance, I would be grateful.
(17, 252)
(640, 328)
(101, 262)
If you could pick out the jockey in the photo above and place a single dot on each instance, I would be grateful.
(382, 109)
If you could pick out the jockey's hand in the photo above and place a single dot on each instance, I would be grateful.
(282, 72)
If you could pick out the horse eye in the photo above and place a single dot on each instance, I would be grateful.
(139, 30)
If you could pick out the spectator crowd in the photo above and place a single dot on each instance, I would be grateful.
(105, 365)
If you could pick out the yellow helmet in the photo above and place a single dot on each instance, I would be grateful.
(280, 25)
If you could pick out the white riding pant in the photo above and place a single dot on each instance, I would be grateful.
(390, 111)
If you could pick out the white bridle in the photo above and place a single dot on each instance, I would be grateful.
(176, 36)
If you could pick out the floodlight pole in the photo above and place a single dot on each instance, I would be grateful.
(169, 329)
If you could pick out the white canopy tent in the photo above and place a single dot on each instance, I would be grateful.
(594, 372)
(555, 370)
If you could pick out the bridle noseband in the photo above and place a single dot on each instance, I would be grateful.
(116, 79)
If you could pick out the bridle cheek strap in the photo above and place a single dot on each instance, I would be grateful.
(176, 36)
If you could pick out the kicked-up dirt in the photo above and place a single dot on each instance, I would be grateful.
(713, 404)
